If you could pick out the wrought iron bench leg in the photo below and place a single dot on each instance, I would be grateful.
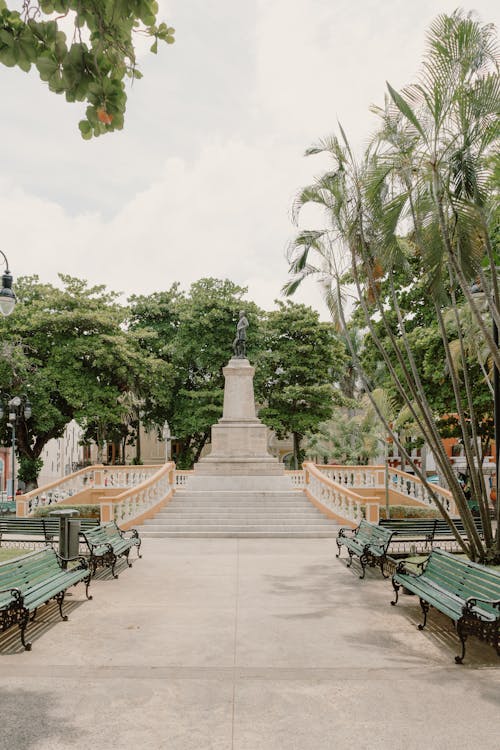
(23, 625)
(425, 609)
(396, 588)
(364, 561)
(60, 600)
(463, 638)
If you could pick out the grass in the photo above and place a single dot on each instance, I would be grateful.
(9, 554)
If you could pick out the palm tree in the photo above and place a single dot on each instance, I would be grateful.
(420, 189)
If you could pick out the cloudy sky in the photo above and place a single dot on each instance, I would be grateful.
(201, 181)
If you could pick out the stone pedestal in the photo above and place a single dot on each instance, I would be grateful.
(239, 439)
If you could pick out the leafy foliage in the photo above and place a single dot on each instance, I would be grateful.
(413, 227)
(68, 351)
(301, 360)
(93, 66)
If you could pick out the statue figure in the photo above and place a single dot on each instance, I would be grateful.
(240, 342)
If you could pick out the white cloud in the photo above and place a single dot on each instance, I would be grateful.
(202, 179)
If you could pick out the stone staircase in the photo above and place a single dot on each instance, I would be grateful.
(241, 513)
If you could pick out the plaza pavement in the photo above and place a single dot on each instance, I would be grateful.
(244, 645)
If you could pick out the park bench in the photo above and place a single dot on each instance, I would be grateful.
(421, 534)
(34, 579)
(368, 541)
(466, 592)
(46, 528)
(107, 543)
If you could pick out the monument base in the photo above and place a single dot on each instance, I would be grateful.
(239, 439)
(217, 467)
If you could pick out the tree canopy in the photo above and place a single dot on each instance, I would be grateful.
(67, 350)
(93, 65)
(424, 196)
(299, 364)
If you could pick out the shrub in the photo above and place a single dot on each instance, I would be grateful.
(409, 511)
(84, 511)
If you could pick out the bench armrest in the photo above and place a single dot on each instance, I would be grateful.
(471, 601)
(344, 529)
(401, 568)
(80, 558)
(17, 593)
(134, 534)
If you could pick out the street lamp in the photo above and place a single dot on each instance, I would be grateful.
(17, 406)
(7, 296)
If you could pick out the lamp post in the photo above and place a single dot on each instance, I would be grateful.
(17, 406)
(7, 296)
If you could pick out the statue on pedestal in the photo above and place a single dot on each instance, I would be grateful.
(240, 342)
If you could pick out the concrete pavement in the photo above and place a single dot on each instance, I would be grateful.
(246, 644)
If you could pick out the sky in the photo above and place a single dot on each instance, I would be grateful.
(201, 180)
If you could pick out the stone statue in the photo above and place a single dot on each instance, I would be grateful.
(240, 342)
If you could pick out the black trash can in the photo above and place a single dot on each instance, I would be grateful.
(69, 532)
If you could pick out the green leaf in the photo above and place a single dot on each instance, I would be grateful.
(405, 109)
(85, 129)
(46, 66)
(154, 47)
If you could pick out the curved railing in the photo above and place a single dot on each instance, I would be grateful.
(354, 476)
(412, 487)
(89, 478)
(136, 503)
(341, 501)
(373, 477)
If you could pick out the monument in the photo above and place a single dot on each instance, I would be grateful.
(239, 439)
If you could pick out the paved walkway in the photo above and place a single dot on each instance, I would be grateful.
(245, 645)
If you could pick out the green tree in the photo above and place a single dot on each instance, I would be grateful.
(193, 332)
(93, 66)
(68, 351)
(301, 361)
(424, 190)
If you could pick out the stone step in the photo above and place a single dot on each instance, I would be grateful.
(237, 526)
(193, 515)
(242, 534)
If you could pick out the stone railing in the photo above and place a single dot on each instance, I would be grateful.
(89, 478)
(355, 476)
(411, 487)
(297, 478)
(60, 490)
(341, 502)
(136, 503)
(128, 476)
(181, 477)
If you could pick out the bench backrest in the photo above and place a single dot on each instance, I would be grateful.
(371, 533)
(46, 527)
(29, 570)
(410, 526)
(426, 526)
(463, 577)
(102, 534)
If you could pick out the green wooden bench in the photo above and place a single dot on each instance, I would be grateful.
(46, 528)
(32, 580)
(466, 592)
(422, 534)
(368, 541)
(107, 543)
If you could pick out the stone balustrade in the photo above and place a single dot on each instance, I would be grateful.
(340, 501)
(137, 503)
(89, 478)
(412, 487)
(181, 477)
(297, 478)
